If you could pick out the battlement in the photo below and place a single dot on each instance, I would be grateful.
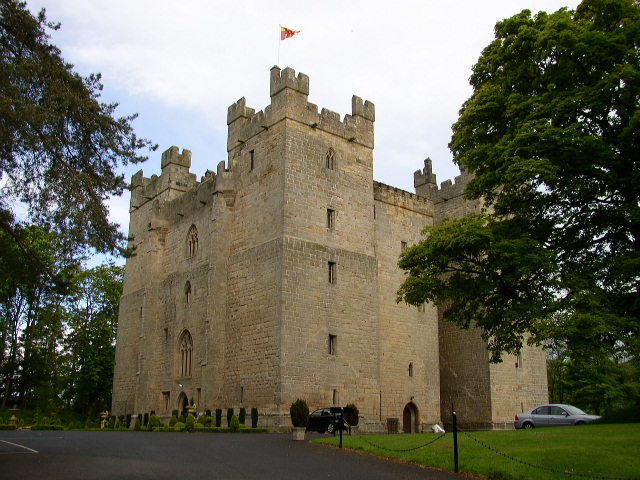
(425, 183)
(172, 156)
(401, 198)
(175, 178)
(289, 96)
(287, 79)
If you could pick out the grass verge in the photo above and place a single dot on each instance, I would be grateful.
(611, 451)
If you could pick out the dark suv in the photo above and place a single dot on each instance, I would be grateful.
(322, 420)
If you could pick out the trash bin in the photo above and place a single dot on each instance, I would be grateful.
(392, 425)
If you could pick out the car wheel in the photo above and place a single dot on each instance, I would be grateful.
(330, 428)
(528, 425)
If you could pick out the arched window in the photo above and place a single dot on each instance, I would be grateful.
(192, 241)
(331, 159)
(187, 292)
(186, 354)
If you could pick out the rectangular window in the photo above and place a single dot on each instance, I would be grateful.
(336, 398)
(403, 247)
(332, 272)
(333, 344)
(252, 160)
(519, 361)
(331, 219)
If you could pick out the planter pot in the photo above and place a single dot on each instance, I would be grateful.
(298, 433)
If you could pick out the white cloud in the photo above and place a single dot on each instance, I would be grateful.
(181, 64)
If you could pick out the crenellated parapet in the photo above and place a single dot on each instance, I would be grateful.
(174, 180)
(401, 198)
(289, 100)
(286, 78)
(425, 184)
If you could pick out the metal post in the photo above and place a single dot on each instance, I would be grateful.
(455, 442)
(341, 423)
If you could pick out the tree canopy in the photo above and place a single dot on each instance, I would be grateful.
(60, 147)
(551, 135)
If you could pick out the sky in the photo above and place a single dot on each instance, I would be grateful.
(179, 65)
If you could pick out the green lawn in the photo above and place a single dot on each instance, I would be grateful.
(587, 450)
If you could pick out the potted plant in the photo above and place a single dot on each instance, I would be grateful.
(191, 408)
(299, 412)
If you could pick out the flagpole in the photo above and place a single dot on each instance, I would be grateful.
(279, 42)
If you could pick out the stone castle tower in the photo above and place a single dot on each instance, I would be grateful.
(275, 278)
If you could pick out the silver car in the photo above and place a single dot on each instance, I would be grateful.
(553, 415)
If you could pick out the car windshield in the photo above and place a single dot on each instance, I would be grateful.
(573, 410)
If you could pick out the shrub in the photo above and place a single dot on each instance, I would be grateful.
(166, 428)
(351, 415)
(208, 413)
(207, 421)
(137, 425)
(190, 424)
(173, 421)
(229, 416)
(179, 427)
(181, 418)
(145, 421)
(218, 417)
(174, 412)
(154, 422)
(234, 424)
(112, 423)
(243, 416)
(299, 412)
(128, 421)
(7, 427)
(254, 418)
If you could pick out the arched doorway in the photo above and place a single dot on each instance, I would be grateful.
(410, 418)
(183, 402)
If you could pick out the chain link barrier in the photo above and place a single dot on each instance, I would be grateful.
(539, 466)
(401, 450)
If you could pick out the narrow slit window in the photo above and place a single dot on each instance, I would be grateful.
(411, 369)
(336, 398)
(333, 344)
(403, 247)
(187, 292)
(332, 272)
(252, 160)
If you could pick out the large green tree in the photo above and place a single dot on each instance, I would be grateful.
(551, 134)
(91, 340)
(60, 147)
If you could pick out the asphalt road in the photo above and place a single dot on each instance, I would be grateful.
(141, 455)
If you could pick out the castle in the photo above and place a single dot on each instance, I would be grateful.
(275, 278)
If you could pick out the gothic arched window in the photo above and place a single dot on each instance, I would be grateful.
(192, 241)
(186, 354)
(331, 159)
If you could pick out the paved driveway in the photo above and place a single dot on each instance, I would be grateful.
(137, 455)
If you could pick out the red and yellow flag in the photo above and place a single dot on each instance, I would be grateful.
(287, 33)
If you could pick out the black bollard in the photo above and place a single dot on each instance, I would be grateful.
(455, 443)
